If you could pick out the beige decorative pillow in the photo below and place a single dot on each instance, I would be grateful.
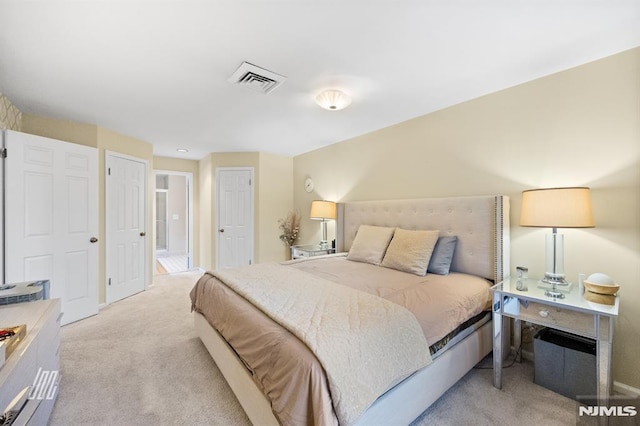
(410, 251)
(370, 244)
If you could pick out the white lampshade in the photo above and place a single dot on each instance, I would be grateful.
(322, 210)
(333, 100)
(557, 208)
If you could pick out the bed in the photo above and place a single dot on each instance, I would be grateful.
(266, 381)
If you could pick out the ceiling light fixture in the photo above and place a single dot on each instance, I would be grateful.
(333, 100)
(182, 150)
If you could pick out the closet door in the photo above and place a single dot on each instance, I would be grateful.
(51, 214)
(126, 198)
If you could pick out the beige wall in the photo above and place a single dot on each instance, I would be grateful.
(275, 201)
(193, 167)
(272, 200)
(63, 130)
(104, 140)
(578, 127)
(205, 179)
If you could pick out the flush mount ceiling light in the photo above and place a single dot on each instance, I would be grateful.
(182, 150)
(333, 100)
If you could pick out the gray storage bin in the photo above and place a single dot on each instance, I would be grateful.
(565, 363)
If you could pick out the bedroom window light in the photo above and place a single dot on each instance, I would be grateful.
(556, 208)
(323, 210)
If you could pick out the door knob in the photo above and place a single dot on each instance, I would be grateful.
(221, 229)
(142, 234)
(93, 240)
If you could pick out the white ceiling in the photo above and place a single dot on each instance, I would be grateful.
(157, 70)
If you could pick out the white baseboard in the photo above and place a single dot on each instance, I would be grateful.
(102, 305)
(623, 389)
(528, 355)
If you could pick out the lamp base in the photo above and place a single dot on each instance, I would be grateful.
(557, 279)
(552, 292)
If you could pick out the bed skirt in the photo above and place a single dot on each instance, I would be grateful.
(400, 405)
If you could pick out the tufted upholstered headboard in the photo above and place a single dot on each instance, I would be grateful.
(481, 224)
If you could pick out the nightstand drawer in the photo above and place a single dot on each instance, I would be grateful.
(296, 253)
(559, 318)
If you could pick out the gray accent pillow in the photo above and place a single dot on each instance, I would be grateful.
(440, 262)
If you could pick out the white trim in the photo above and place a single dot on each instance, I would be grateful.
(154, 218)
(2, 204)
(217, 216)
(146, 279)
(190, 208)
(625, 389)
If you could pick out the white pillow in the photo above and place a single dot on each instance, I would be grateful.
(410, 251)
(370, 244)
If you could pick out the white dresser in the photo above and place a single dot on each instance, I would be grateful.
(39, 351)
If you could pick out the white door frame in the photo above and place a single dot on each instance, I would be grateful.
(155, 217)
(107, 154)
(217, 216)
(2, 201)
(189, 177)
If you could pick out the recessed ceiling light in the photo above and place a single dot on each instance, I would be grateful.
(333, 100)
(182, 150)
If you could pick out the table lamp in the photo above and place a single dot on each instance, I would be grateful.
(323, 210)
(556, 208)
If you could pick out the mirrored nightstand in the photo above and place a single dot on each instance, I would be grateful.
(524, 300)
(299, 252)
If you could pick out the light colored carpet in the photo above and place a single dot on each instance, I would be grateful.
(139, 362)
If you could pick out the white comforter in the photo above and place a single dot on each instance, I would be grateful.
(366, 344)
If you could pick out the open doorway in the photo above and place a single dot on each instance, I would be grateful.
(173, 220)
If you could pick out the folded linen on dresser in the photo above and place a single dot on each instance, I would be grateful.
(352, 333)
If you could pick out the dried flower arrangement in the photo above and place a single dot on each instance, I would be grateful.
(290, 227)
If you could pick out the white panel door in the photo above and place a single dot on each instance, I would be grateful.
(51, 214)
(125, 226)
(235, 217)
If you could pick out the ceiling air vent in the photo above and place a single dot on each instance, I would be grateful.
(256, 78)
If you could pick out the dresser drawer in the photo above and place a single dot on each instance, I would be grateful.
(36, 355)
(49, 338)
(20, 373)
(559, 318)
